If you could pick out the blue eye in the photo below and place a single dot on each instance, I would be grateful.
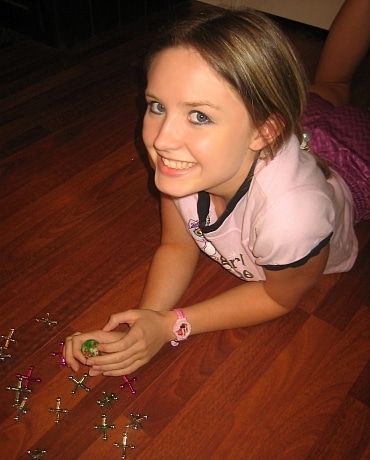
(199, 118)
(156, 107)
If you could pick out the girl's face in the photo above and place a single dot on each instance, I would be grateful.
(198, 132)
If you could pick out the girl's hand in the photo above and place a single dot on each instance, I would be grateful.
(149, 331)
(73, 344)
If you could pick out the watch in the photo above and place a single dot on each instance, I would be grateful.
(181, 328)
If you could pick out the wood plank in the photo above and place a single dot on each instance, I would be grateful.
(342, 303)
(79, 224)
(47, 163)
(315, 407)
(361, 387)
(347, 435)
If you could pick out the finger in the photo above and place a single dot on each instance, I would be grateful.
(112, 322)
(116, 353)
(81, 348)
(108, 359)
(94, 373)
(126, 369)
(122, 344)
(68, 342)
(73, 350)
(117, 319)
(68, 355)
(113, 361)
(121, 363)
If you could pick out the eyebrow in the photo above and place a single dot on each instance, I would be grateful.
(190, 104)
(201, 104)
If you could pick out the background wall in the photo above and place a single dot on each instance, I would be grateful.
(65, 23)
(318, 13)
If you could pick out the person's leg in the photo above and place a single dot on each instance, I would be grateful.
(347, 43)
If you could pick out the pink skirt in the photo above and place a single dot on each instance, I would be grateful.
(341, 136)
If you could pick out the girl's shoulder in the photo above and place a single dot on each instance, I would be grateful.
(292, 171)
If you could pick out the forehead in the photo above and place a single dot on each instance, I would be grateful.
(185, 71)
(178, 53)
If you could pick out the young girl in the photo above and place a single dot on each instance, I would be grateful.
(225, 97)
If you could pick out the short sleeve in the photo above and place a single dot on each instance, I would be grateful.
(291, 228)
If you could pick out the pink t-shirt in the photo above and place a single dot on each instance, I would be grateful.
(283, 214)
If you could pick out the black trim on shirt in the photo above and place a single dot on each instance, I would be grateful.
(204, 202)
(298, 263)
(203, 208)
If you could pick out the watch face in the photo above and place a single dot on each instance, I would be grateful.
(182, 329)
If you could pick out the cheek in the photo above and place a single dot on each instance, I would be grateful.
(210, 149)
(148, 133)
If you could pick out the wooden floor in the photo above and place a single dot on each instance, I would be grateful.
(79, 224)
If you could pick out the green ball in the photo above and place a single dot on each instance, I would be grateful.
(90, 348)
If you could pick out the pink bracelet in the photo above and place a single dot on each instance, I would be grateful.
(181, 328)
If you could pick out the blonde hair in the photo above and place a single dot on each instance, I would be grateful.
(251, 53)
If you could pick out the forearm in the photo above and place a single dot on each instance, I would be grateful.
(257, 302)
(248, 304)
(347, 43)
(345, 47)
(169, 275)
(245, 305)
(149, 330)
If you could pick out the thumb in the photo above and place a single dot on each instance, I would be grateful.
(125, 318)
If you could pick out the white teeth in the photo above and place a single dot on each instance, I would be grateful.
(177, 164)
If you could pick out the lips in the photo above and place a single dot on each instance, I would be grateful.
(175, 164)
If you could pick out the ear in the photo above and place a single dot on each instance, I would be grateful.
(267, 133)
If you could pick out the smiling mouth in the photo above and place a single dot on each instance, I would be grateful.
(177, 164)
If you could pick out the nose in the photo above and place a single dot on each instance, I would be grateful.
(168, 135)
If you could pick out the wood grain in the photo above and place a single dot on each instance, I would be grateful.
(79, 225)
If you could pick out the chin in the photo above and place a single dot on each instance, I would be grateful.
(173, 190)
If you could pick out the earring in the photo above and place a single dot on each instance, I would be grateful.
(305, 144)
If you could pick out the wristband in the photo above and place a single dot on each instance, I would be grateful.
(181, 328)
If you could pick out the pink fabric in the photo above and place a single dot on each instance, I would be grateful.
(341, 136)
(289, 209)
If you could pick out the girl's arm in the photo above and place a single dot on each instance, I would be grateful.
(169, 275)
(257, 302)
(173, 264)
(346, 45)
(248, 304)
(252, 302)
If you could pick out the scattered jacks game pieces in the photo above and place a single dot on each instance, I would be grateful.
(128, 383)
(58, 411)
(124, 445)
(60, 354)
(20, 409)
(19, 389)
(23, 388)
(104, 427)
(79, 383)
(3, 355)
(107, 400)
(36, 454)
(8, 339)
(134, 425)
(27, 378)
(136, 421)
(90, 348)
(47, 321)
